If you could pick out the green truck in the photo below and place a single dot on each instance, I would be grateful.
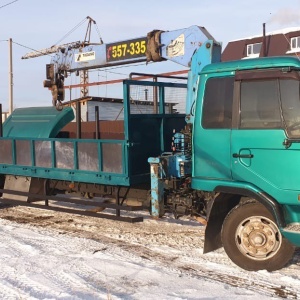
(233, 158)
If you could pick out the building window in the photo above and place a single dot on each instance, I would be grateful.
(253, 50)
(295, 43)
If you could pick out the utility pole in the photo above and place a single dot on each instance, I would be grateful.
(10, 78)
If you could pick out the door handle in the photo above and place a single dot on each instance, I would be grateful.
(236, 155)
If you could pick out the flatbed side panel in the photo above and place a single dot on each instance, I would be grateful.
(91, 161)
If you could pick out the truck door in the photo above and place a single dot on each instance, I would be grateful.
(211, 133)
(266, 130)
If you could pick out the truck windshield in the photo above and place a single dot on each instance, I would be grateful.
(290, 99)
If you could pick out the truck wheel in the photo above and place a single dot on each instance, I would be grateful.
(253, 241)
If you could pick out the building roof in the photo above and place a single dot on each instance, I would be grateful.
(275, 32)
(112, 100)
(277, 43)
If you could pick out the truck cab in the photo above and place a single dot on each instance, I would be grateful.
(246, 136)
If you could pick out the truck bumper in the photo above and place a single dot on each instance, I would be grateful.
(292, 233)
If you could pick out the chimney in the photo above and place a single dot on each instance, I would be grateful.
(265, 54)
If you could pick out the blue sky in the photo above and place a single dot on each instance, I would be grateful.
(39, 24)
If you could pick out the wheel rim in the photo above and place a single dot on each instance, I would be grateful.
(258, 238)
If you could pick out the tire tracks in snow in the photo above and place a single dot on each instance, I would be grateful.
(180, 249)
(13, 285)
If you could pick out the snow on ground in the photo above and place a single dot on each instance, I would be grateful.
(47, 255)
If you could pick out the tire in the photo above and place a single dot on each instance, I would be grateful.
(252, 239)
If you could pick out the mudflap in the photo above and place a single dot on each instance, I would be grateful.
(16, 183)
(219, 209)
(24, 185)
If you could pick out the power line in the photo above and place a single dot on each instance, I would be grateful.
(72, 30)
(8, 3)
(28, 48)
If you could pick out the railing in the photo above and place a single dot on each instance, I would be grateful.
(93, 161)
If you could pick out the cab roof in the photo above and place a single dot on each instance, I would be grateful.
(253, 64)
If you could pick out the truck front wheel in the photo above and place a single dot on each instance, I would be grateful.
(253, 241)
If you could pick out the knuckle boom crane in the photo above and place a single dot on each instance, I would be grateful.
(177, 46)
(231, 159)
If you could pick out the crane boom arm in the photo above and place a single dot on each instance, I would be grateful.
(178, 46)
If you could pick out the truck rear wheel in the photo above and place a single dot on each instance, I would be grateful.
(253, 241)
